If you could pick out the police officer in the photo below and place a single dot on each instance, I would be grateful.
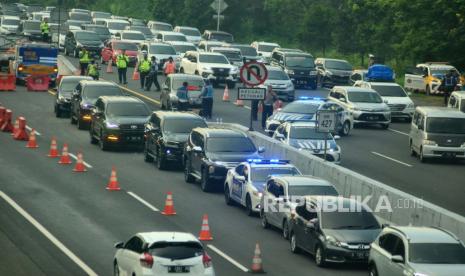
(122, 61)
(169, 67)
(92, 70)
(45, 29)
(144, 69)
(450, 83)
(207, 100)
(153, 75)
(183, 98)
(270, 98)
(84, 59)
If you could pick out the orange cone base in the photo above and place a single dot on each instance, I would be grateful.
(53, 154)
(32, 145)
(65, 161)
(81, 168)
(168, 213)
(257, 271)
(209, 238)
(113, 188)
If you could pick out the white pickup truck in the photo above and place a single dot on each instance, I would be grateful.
(427, 77)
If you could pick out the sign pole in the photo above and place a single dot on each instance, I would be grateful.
(218, 14)
(251, 115)
(326, 144)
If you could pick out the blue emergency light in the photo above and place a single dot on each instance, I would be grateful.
(268, 161)
(312, 98)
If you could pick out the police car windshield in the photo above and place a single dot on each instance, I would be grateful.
(364, 97)
(92, 92)
(389, 90)
(246, 50)
(184, 126)
(348, 219)
(174, 38)
(184, 48)
(300, 61)
(190, 32)
(260, 174)
(305, 132)
(230, 144)
(133, 36)
(127, 110)
(13, 22)
(213, 59)
(125, 46)
(338, 65)
(163, 27)
(267, 48)
(88, 36)
(436, 253)
(301, 108)
(445, 125)
(277, 75)
(162, 50)
(117, 25)
(31, 25)
(302, 190)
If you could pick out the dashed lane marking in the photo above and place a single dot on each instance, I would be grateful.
(392, 159)
(227, 258)
(30, 128)
(51, 92)
(48, 235)
(141, 200)
(398, 131)
(85, 163)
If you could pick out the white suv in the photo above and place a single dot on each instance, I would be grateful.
(212, 66)
(265, 49)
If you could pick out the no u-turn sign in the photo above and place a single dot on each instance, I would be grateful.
(253, 73)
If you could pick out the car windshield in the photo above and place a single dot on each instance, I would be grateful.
(125, 46)
(146, 31)
(190, 32)
(67, 87)
(127, 110)
(300, 61)
(222, 37)
(193, 84)
(176, 250)
(261, 174)
(174, 38)
(31, 25)
(364, 97)
(436, 253)
(14, 22)
(445, 125)
(184, 48)
(162, 27)
(247, 50)
(231, 55)
(277, 75)
(305, 132)
(302, 190)
(101, 30)
(117, 25)
(302, 108)
(74, 23)
(230, 144)
(182, 125)
(80, 16)
(267, 48)
(89, 36)
(352, 219)
(213, 59)
(389, 90)
(162, 50)
(102, 15)
(133, 36)
(338, 65)
(94, 91)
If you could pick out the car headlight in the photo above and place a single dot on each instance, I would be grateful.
(289, 72)
(257, 193)
(333, 241)
(234, 70)
(112, 125)
(429, 142)
(206, 69)
(411, 105)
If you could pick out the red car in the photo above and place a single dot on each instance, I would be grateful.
(114, 47)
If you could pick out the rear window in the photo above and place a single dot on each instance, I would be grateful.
(13, 22)
(176, 250)
(125, 46)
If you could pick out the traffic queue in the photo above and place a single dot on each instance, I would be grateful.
(227, 160)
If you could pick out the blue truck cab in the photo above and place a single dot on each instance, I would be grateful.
(36, 59)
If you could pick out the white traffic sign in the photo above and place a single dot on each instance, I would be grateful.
(219, 6)
(326, 121)
(253, 73)
(251, 93)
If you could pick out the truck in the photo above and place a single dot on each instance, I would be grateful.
(427, 77)
(33, 59)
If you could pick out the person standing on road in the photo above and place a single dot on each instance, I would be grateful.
(45, 30)
(122, 61)
(153, 75)
(84, 60)
(207, 100)
(92, 70)
(144, 69)
(270, 98)
(183, 98)
(169, 67)
(450, 83)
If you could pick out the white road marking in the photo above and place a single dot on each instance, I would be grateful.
(227, 258)
(392, 159)
(30, 128)
(143, 202)
(48, 235)
(398, 131)
(85, 163)
(247, 107)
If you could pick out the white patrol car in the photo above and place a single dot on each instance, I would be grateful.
(244, 184)
(427, 77)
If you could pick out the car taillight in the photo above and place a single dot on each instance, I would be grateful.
(206, 260)
(146, 260)
(20, 67)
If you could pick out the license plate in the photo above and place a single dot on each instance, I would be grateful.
(178, 269)
(360, 255)
(373, 118)
(301, 82)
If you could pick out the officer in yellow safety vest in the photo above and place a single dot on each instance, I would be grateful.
(84, 59)
(45, 29)
(122, 62)
(144, 69)
(92, 70)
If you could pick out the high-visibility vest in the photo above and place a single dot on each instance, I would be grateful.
(170, 68)
(122, 61)
(144, 66)
(84, 57)
(92, 70)
(44, 27)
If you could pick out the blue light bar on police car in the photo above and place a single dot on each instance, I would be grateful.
(268, 161)
(312, 98)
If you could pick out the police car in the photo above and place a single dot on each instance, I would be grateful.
(244, 184)
(305, 109)
(304, 136)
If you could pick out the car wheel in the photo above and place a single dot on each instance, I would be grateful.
(320, 256)
(294, 247)
(80, 124)
(422, 157)
(248, 206)
(412, 151)
(116, 269)
(187, 173)
(285, 232)
(161, 161)
(345, 130)
(227, 196)
(384, 126)
(205, 182)
(58, 112)
(102, 143)
(93, 140)
(72, 120)
(263, 220)
(147, 157)
(373, 270)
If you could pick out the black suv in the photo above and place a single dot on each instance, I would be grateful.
(102, 31)
(209, 154)
(65, 92)
(299, 66)
(84, 97)
(75, 40)
(218, 36)
(118, 120)
(165, 135)
(333, 229)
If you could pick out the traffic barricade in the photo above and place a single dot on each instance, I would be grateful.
(7, 82)
(2, 114)
(7, 126)
(37, 83)
(21, 133)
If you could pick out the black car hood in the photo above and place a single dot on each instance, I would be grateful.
(128, 120)
(232, 156)
(353, 235)
(176, 137)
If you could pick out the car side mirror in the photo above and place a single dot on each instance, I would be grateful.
(397, 259)
(337, 137)
(119, 245)
(261, 149)
(197, 149)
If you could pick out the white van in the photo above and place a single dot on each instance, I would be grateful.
(457, 100)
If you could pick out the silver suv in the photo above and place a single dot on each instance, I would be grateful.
(416, 251)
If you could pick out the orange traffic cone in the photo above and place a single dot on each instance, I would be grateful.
(110, 66)
(15, 127)
(113, 184)
(239, 102)
(257, 267)
(135, 75)
(226, 94)
(169, 205)
(79, 164)
(32, 143)
(53, 153)
(205, 234)
(65, 160)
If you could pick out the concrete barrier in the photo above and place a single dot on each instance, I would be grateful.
(65, 67)
(350, 183)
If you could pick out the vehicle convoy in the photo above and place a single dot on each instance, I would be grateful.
(84, 97)
(76, 40)
(457, 100)
(280, 82)
(428, 77)
(118, 121)
(283, 193)
(437, 132)
(410, 250)
(245, 183)
(304, 136)
(209, 154)
(34, 59)
(298, 65)
(365, 105)
(114, 47)
(166, 133)
(333, 71)
(162, 253)
(64, 94)
(169, 98)
(333, 235)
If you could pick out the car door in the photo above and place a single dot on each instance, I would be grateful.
(76, 100)
(299, 225)
(419, 132)
(98, 117)
(282, 202)
(238, 185)
(165, 92)
(129, 261)
(398, 268)
(199, 155)
(193, 63)
(194, 153)
(270, 203)
(153, 130)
